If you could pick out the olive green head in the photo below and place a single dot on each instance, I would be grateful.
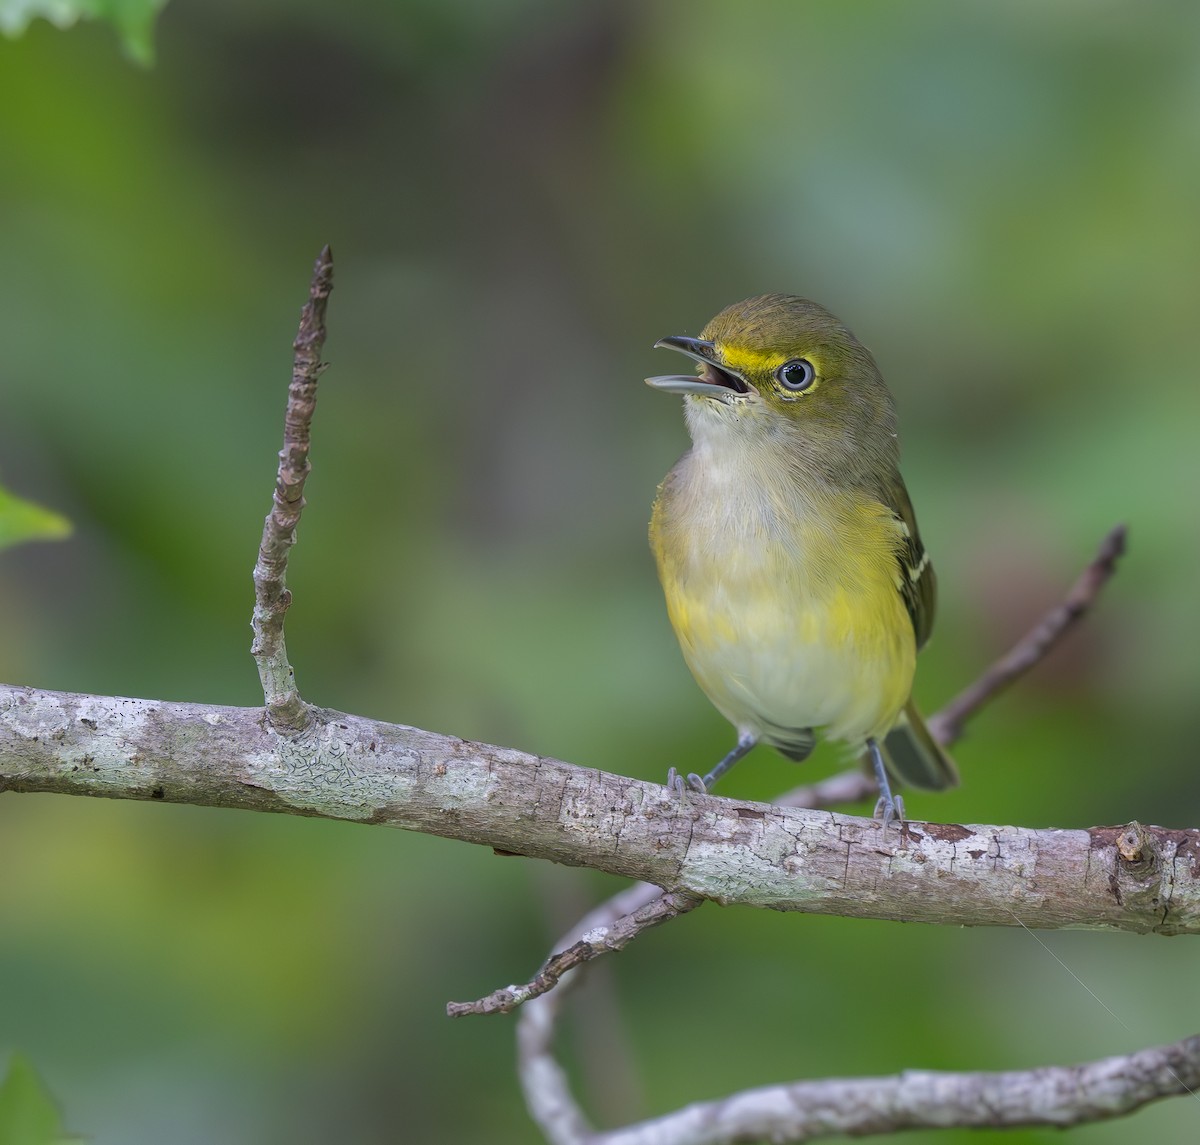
(783, 362)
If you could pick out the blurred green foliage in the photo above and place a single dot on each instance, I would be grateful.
(24, 521)
(522, 196)
(27, 1112)
(132, 19)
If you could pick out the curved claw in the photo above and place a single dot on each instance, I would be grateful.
(696, 784)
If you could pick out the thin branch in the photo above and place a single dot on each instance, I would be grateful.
(285, 709)
(651, 908)
(1054, 1096)
(947, 725)
(654, 909)
(543, 1080)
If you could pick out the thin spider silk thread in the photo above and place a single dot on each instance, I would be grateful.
(1115, 1017)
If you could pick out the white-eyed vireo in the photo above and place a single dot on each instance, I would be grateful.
(794, 574)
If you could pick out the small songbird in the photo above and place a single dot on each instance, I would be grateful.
(787, 547)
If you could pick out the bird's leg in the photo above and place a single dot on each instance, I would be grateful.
(746, 740)
(889, 806)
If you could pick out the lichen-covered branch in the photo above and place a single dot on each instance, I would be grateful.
(734, 851)
(285, 709)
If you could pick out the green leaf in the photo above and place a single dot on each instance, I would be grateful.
(25, 521)
(28, 1115)
(133, 20)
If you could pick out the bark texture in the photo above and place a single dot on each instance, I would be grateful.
(342, 766)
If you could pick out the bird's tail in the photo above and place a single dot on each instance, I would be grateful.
(914, 757)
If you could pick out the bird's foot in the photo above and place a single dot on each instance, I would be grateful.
(889, 808)
(677, 784)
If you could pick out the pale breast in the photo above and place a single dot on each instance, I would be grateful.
(785, 603)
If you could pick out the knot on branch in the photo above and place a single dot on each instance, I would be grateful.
(1133, 857)
(1136, 846)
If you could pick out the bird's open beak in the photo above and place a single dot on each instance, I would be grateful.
(713, 382)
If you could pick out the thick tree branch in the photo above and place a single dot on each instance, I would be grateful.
(348, 767)
(285, 709)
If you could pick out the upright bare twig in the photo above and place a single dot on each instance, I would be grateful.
(285, 709)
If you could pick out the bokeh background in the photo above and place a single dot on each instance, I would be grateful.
(1000, 198)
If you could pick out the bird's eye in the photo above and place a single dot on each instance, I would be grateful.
(796, 375)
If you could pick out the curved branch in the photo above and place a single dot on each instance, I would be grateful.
(617, 922)
(1056, 1096)
(543, 1081)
